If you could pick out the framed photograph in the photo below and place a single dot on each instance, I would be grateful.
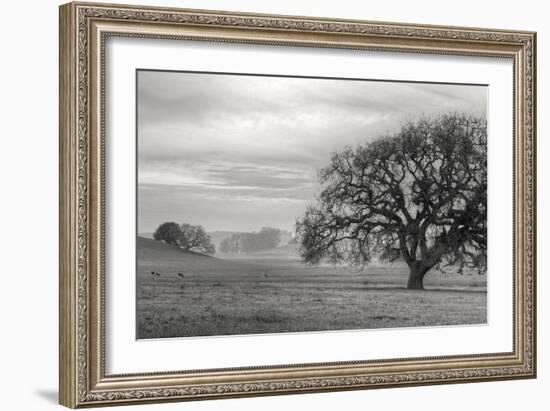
(260, 204)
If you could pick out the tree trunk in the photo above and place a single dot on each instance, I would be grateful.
(416, 277)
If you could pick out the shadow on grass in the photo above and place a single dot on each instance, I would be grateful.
(446, 290)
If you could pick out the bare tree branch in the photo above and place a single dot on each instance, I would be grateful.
(420, 195)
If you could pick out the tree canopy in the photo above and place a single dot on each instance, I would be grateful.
(264, 239)
(186, 236)
(419, 195)
(169, 233)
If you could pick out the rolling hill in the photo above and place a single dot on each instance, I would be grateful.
(154, 255)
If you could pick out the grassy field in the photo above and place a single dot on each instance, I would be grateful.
(273, 292)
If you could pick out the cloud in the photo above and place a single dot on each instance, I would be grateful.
(244, 142)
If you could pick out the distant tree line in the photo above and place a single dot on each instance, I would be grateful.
(185, 236)
(264, 239)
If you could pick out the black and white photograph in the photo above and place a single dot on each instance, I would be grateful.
(284, 204)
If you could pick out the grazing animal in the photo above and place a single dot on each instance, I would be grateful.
(155, 273)
(180, 275)
(265, 274)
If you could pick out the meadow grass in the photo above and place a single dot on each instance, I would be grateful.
(274, 292)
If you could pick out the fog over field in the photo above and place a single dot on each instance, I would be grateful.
(235, 162)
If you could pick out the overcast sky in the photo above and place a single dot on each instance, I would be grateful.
(236, 152)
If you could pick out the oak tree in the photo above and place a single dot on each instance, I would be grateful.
(185, 236)
(419, 195)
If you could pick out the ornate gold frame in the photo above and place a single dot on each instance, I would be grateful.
(83, 30)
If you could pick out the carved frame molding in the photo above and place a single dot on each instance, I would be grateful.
(83, 30)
